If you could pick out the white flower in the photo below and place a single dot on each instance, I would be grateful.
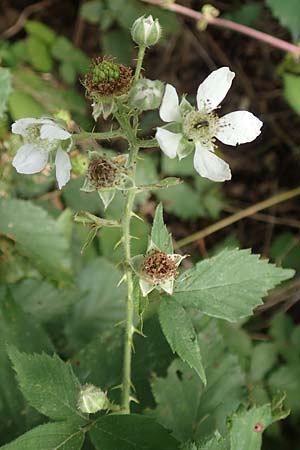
(41, 137)
(191, 128)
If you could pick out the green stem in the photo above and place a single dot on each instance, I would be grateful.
(129, 331)
(139, 63)
(148, 143)
(105, 135)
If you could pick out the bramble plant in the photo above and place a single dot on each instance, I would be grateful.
(201, 398)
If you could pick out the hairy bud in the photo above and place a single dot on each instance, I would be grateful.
(145, 31)
(92, 399)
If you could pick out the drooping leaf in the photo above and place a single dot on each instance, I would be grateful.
(131, 432)
(159, 234)
(179, 331)
(48, 384)
(230, 285)
(36, 235)
(50, 436)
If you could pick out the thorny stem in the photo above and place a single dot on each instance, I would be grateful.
(130, 134)
(105, 135)
(219, 22)
(139, 63)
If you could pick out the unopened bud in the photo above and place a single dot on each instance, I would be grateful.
(145, 31)
(92, 399)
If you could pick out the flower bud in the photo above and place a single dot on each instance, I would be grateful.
(145, 31)
(92, 399)
(146, 94)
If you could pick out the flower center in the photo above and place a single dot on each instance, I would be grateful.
(106, 78)
(33, 137)
(158, 266)
(200, 125)
(102, 173)
(105, 72)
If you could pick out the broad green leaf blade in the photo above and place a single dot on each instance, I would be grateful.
(160, 235)
(48, 384)
(102, 304)
(16, 328)
(192, 411)
(5, 89)
(36, 235)
(248, 426)
(131, 432)
(230, 285)
(179, 331)
(42, 299)
(51, 436)
(216, 443)
(288, 14)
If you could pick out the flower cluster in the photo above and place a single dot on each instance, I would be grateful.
(43, 137)
(196, 129)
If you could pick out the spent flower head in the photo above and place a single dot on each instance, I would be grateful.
(156, 269)
(105, 81)
(146, 31)
(43, 137)
(192, 128)
(106, 175)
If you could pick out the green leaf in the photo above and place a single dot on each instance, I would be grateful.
(5, 89)
(248, 14)
(264, 357)
(247, 428)
(288, 14)
(291, 89)
(92, 11)
(16, 328)
(185, 405)
(131, 432)
(40, 31)
(36, 235)
(159, 234)
(230, 285)
(102, 302)
(179, 331)
(42, 300)
(118, 44)
(182, 200)
(39, 55)
(22, 105)
(51, 436)
(48, 384)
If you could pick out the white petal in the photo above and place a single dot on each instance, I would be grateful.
(168, 286)
(209, 165)
(146, 287)
(53, 131)
(238, 127)
(169, 110)
(168, 141)
(63, 167)
(20, 126)
(214, 88)
(30, 159)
